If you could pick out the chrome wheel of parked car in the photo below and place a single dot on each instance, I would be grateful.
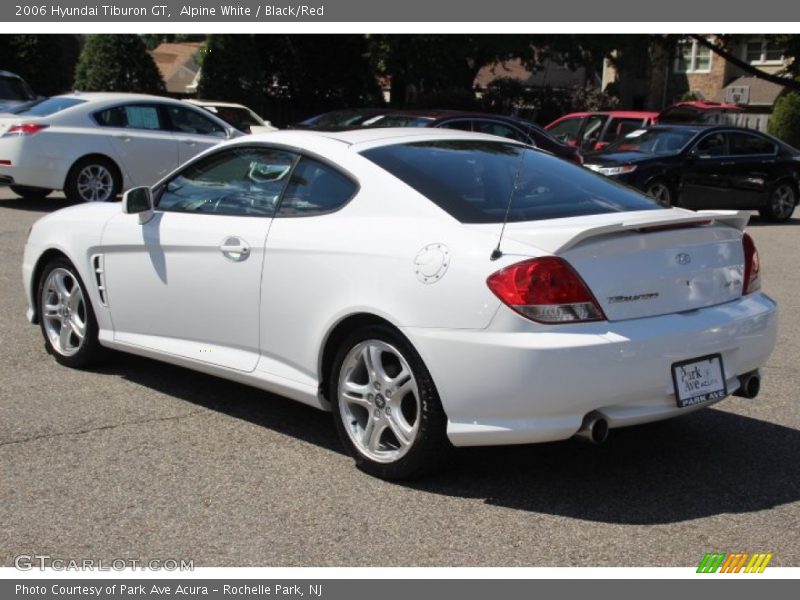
(661, 193)
(93, 179)
(66, 317)
(387, 410)
(781, 203)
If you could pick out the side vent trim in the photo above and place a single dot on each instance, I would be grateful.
(98, 267)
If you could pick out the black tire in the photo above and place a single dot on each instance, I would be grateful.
(88, 349)
(662, 192)
(782, 202)
(30, 193)
(430, 449)
(88, 171)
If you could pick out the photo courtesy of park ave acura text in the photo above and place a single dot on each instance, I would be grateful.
(399, 300)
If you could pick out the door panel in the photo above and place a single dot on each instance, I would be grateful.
(144, 149)
(188, 282)
(704, 181)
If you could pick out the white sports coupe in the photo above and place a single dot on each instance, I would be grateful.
(431, 288)
(94, 145)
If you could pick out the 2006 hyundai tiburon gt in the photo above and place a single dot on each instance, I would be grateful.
(431, 288)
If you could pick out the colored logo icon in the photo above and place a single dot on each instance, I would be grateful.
(741, 562)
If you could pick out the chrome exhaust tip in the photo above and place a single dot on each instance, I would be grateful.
(594, 429)
(749, 385)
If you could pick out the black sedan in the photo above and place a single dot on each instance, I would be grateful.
(508, 127)
(702, 167)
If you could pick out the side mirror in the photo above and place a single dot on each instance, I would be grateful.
(138, 201)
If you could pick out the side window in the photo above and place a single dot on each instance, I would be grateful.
(315, 188)
(743, 144)
(712, 145)
(566, 130)
(131, 116)
(618, 128)
(460, 125)
(592, 131)
(186, 120)
(237, 181)
(499, 129)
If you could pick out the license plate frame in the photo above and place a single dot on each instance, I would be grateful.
(699, 380)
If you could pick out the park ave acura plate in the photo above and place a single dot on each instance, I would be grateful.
(699, 380)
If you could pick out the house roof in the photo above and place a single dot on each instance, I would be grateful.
(178, 64)
(762, 92)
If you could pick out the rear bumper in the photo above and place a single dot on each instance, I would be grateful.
(517, 382)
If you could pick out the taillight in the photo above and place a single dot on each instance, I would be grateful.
(752, 266)
(24, 129)
(547, 290)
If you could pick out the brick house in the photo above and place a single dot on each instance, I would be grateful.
(695, 72)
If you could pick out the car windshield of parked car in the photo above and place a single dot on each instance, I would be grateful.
(12, 88)
(397, 121)
(339, 119)
(473, 180)
(653, 141)
(48, 106)
(239, 117)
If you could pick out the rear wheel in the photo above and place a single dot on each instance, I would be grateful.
(93, 179)
(782, 202)
(30, 193)
(386, 408)
(660, 191)
(66, 317)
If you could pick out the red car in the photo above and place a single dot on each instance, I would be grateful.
(592, 131)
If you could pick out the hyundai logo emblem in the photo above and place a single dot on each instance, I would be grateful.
(683, 259)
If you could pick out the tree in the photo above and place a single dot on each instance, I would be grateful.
(422, 67)
(117, 63)
(785, 121)
(46, 62)
(232, 70)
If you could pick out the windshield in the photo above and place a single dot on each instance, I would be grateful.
(653, 141)
(48, 106)
(12, 88)
(472, 180)
(338, 119)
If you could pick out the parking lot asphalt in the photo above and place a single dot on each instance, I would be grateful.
(142, 460)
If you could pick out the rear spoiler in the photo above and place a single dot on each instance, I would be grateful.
(560, 239)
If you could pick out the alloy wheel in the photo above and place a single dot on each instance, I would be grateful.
(379, 401)
(660, 193)
(64, 312)
(95, 183)
(782, 202)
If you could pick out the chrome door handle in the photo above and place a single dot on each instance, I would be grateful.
(235, 249)
(124, 138)
(727, 163)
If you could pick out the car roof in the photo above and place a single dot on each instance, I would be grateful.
(114, 96)
(427, 113)
(623, 114)
(372, 137)
(214, 103)
(9, 74)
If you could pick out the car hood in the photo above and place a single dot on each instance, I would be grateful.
(617, 158)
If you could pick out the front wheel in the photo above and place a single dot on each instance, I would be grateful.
(93, 179)
(782, 201)
(66, 317)
(386, 408)
(660, 191)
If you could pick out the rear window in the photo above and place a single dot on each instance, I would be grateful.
(48, 106)
(473, 181)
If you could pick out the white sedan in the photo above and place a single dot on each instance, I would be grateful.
(370, 273)
(94, 145)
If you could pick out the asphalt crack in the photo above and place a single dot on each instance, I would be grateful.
(45, 436)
